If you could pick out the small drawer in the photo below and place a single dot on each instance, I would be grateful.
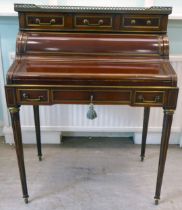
(94, 21)
(44, 20)
(133, 22)
(26, 96)
(149, 97)
(98, 96)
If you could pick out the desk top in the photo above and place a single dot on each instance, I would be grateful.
(93, 9)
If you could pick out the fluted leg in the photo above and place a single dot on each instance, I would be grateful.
(37, 130)
(144, 132)
(167, 122)
(14, 112)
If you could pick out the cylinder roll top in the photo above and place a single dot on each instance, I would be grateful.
(32, 43)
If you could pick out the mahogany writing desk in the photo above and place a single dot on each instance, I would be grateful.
(82, 55)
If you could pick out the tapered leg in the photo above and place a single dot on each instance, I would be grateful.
(37, 130)
(14, 112)
(145, 130)
(167, 122)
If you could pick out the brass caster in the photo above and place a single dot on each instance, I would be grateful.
(142, 158)
(26, 200)
(156, 201)
(40, 158)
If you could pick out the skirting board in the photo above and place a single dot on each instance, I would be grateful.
(28, 136)
(53, 136)
(155, 138)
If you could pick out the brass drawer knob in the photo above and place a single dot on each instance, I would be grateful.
(52, 21)
(100, 22)
(148, 22)
(133, 21)
(26, 97)
(85, 21)
(141, 98)
(157, 99)
(37, 21)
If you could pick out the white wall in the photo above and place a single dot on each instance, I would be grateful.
(5, 118)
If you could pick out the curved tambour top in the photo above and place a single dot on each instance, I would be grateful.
(37, 43)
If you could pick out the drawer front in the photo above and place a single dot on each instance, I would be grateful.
(45, 21)
(149, 98)
(37, 96)
(140, 23)
(92, 21)
(84, 96)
